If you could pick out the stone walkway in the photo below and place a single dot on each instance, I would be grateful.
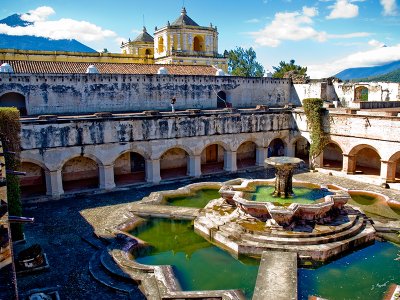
(60, 225)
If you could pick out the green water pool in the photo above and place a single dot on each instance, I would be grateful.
(302, 195)
(372, 205)
(199, 265)
(198, 200)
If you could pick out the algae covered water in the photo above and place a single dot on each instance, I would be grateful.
(198, 200)
(302, 195)
(197, 264)
(365, 274)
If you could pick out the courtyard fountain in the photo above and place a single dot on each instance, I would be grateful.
(249, 218)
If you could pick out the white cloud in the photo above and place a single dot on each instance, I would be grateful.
(343, 9)
(60, 29)
(254, 20)
(39, 14)
(293, 26)
(376, 44)
(389, 7)
(296, 26)
(373, 57)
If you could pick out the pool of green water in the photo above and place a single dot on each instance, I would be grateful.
(365, 274)
(197, 264)
(372, 205)
(302, 195)
(198, 200)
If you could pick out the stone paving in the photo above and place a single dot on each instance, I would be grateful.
(60, 225)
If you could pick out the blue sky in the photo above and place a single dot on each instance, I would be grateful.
(324, 35)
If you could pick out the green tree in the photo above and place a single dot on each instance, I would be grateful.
(242, 62)
(290, 70)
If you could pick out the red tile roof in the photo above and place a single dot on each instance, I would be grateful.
(46, 67)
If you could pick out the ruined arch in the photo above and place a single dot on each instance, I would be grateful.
(80, 172)
(174, 163)
(361, 93)
(276, 147)
(246, 155)
(221, 100)
(129, 168)
(302, 149)
(332, 156)
(13, 99)
(198, 43)
(34, 182)
(212, 158)
(367, 160)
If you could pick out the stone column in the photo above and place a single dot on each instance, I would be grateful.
(230, 161)
(290, 150)
(106, 177)
(194, 166)
(319, 161)
(54, 186)
(388, 171)
(153, 171)
(261, 155)
(349, 164)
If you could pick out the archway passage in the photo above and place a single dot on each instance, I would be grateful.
(302, 149)
(129, 168)
(221, 100)
(361, 94)
(198, 43)
(14, 100)
(34, 182)
(173, 164)
(333, 157)
(246, 155)
(212, 159)
(80, 173)
(276, 148)
(368, 162)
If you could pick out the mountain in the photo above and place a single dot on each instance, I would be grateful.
(29, 42)
(354, 73)
(393, 76)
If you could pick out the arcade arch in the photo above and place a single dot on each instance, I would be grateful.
(212, 159)
(174, 163)
(333, 156)
(246, 155)
(366, 160)
(129, 168)
(276, 148)
(80, 173)
(34, 182)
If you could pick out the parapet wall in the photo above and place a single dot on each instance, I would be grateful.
(89, 93)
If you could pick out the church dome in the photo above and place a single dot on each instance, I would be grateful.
(184, 19)
(144, 37)
(6, 68)
(92, 70)
(162, 71)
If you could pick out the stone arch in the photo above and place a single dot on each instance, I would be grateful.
(160, 44)
(174, 163)
(276, 147)
(366, 160)
(221, 100)
(361, 93)
(129, 167)
(198, 43)
(212, 158)
(80, 172)
(13, 99)
(246, 155)
(302, 149)
(394, 167)
(332, 156)
(34, 182)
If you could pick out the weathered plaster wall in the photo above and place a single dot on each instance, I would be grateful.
(89, 93)
(79, 168)
(173, 158)
(246, 150)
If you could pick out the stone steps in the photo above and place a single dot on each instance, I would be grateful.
(109, 264)
(335, 236)
(111, 279)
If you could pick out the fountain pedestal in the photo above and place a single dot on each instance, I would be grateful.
(284, 166)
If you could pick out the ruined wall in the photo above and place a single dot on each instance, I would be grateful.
(377, 91)
(68, 132)
(315, 89)
(89, 93)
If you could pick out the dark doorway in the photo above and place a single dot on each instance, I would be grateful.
(14, 100)
(221, 100)
(137, 162)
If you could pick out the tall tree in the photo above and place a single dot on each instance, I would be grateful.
(290, 70)
(242, 62)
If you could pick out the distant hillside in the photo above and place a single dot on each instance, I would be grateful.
(27, 42)
(354, 73)
(393, 76)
